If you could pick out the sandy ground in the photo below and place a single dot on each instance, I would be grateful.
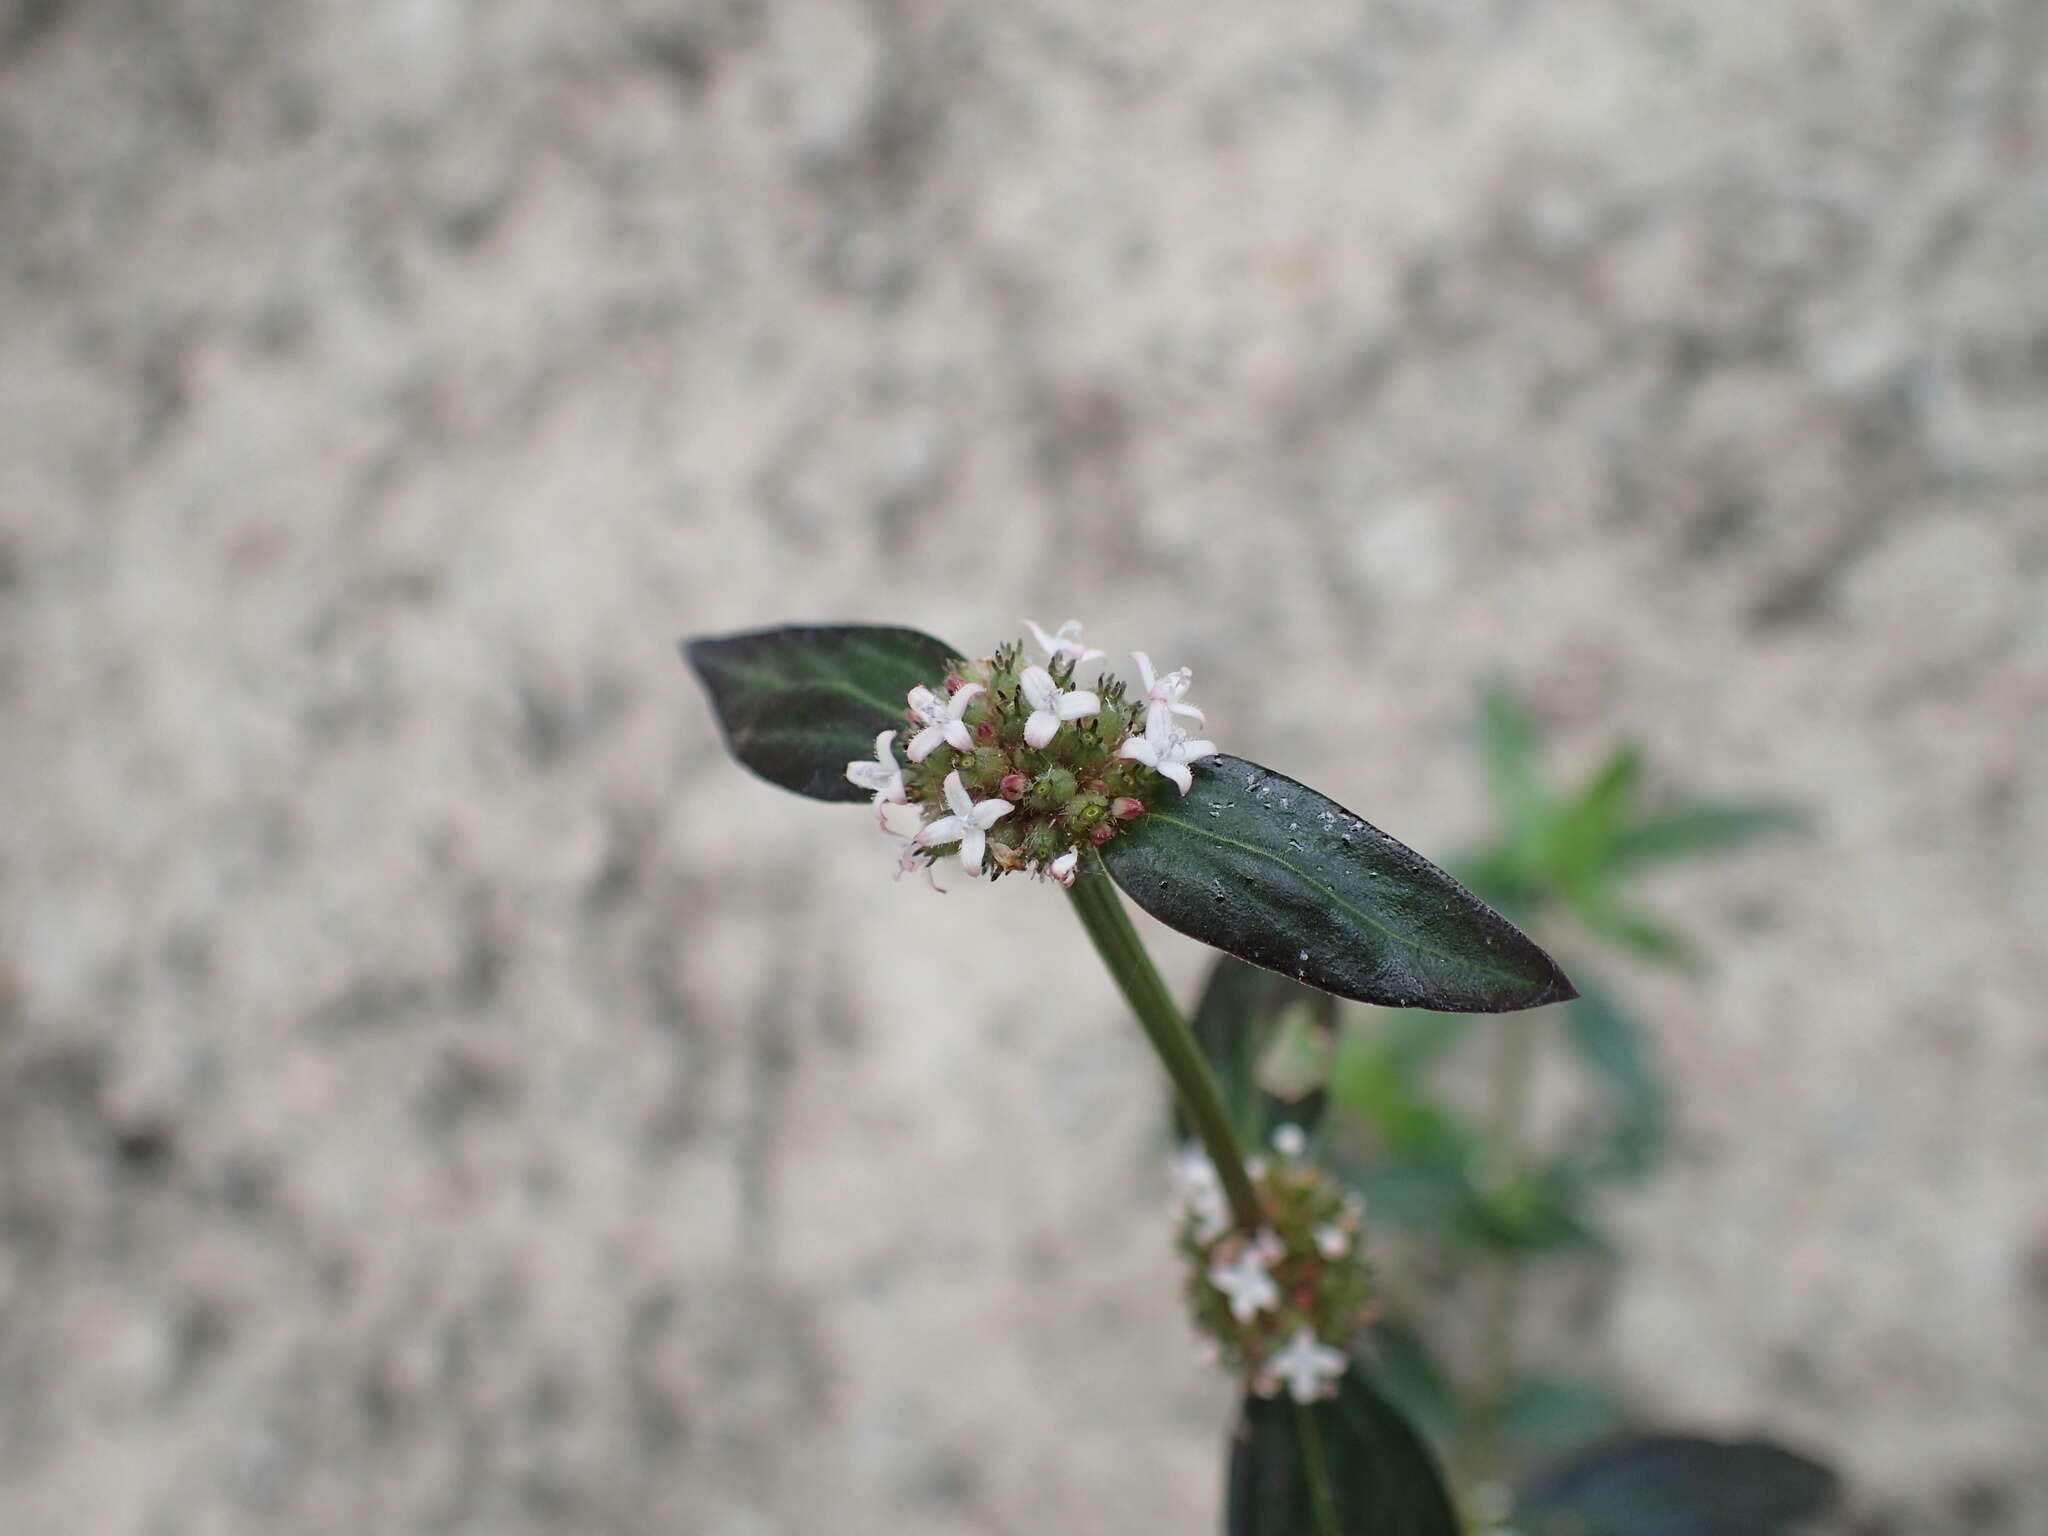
(438, 1093)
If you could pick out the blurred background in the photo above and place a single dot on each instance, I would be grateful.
(440, 1092)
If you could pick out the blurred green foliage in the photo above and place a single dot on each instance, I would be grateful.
(1425, 1112)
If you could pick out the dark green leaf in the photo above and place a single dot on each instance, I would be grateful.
(1702, 829)
(1269, 870)
(1234, 1023)
(1402, 1367)
(1679, 1485)
(1612, 1044)
(1545, 1412)
(1348, 1467)
(800, 703)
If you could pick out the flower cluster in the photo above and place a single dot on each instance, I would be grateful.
(1014, 765)
(1282, 1303)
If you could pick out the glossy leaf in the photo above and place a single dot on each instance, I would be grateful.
(1271, 871)
(1241, 1011)
(1678, 1485)
(1352, 1466)
(798, 704)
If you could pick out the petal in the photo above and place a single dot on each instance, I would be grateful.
(925, 704)
(957, 796)
(885, 752)
(925, 743)
(1190, 711)
(1178, 772)
(1079, 705)
(1139, 750)
(973, 841)
(945, 830)
(963, 698)
(1145, 673)
(987, 813)
(1041, 728)
(1190, 751)
(1062, 868)
(868, 775)
(1038, 634)
(957, 735)
(1039, 688)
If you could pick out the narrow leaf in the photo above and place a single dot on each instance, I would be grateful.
(798, 704)
(1402, 1367)
(1702, 829)
(1271, 871)
(1550, 1412)
(1351, 1466)
(1679, 1485)
(1236, 1021)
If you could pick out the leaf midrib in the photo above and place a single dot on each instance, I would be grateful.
(1366, 918)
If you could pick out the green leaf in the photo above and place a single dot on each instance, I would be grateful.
(798, 704)
(1241, 1010)
(1612, 1045)
(1678, 1485)
(1702, 829)
(1271, 871)
(1352, 1466)
(1402, 1367)
(1546, 1412)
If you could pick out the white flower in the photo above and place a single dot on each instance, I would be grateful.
(1062, 868)
(1289, 1141)
(941, 720)
(1050, 707)
(1066, 643)
(883, 775)
(1332, 1241)
(1246, 1281)
(1201, 1193)
(968, 825)
(1168, 690)
(908, 860)
(1307, 1366)
(1164, 746)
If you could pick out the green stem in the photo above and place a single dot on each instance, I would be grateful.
(1101, 911)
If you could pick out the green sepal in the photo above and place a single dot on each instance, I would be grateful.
(1271, 871)
(799, 703)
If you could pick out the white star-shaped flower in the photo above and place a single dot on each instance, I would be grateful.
(1201, 1192)
(941, 720)
(1062, 868)
(1051, 706)
(884, 775)
(1289, 1141)
(1165, 747)
(1066, 643)
(1167, 689)
(1310, 1368)
(1332, 1241)
(1246, 1280)
(968, 825)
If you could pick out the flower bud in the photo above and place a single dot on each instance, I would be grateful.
(1013, 787)
(1125, 807)
(1054, 788)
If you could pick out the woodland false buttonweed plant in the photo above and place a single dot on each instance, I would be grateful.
(1013, 764)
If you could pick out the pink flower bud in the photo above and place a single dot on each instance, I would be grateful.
(1125, 807)
(1014, 787)
(1103, 833)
